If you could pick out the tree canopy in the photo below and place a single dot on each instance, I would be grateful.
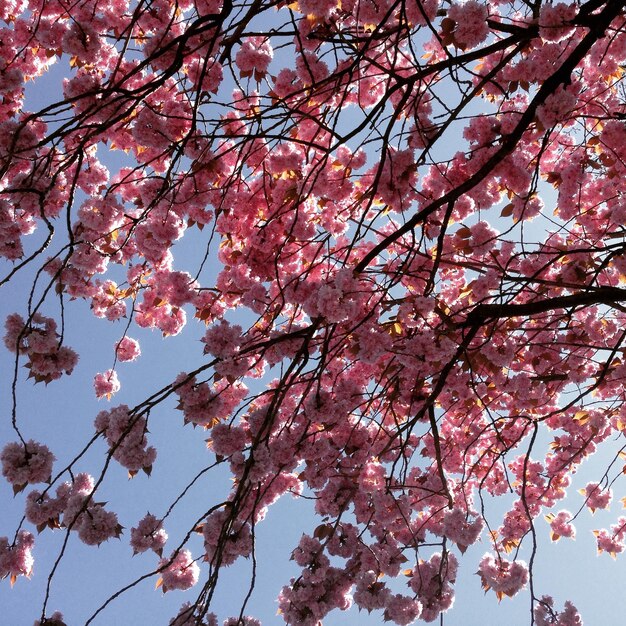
(400, 228)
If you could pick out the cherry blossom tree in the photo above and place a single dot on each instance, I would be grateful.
(416, 209)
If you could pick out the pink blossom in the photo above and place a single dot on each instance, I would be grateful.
(107, 301)
(596, 497)
(609, 543)
(187, 616)
(93, 523)
(56, 619)
(225, 541)
(370, 593)
(317, 592)
(226, 439)
(26, 464)
(101, 215)
(40, 342)
(97, 525)
(460, 528)
(504, 577)
(148, 535)
(483, 237)
(310, 68)
(106, 384)
(433, 581)
(416, 350)
(180, 571)
(560, 525)
(254, 55)
(126, 435)
(43, 510)
(206, 75)
(421, 12)
(82, 41)
(402, 609)
(222, 340)
(17, 559)
(545, 615)
(613, 541)
(206, 405)
(208, 7)
(11, 8)
(127, 349)
(553, 20)
(319, 8)
(557, 106)
(471, 22)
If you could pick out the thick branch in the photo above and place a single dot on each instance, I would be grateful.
(489, 312)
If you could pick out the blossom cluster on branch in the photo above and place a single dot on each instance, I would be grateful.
(413, 214)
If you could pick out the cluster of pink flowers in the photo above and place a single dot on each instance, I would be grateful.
(322, 9)
(483, 237)
(125, 433)
(74, 508)
(320, 589)
(254, 56)
(179, 571)
(17, 559)
(169, 320)
(396, 179)
(127, 349)
(432, 581)
(555, 19)
(24, 464)
(370, 593)
(227, 543)
(402, 610)
(418, 347)
(561, 526)
(43, 511)
(188, 616)
(206, 405)
(96, 525)
(11, 233)
(458, 526)
(106, 384)
(106, 298)
(40, 342)
(558, 106)
(597, 497)
(56, 619)
(504, 577)
(222, 340)
(100, 215)
(148, 535)
(613, 541)
(92, 522)
(471, 22)
(545, 615)
(226, 439)
(246, 620)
